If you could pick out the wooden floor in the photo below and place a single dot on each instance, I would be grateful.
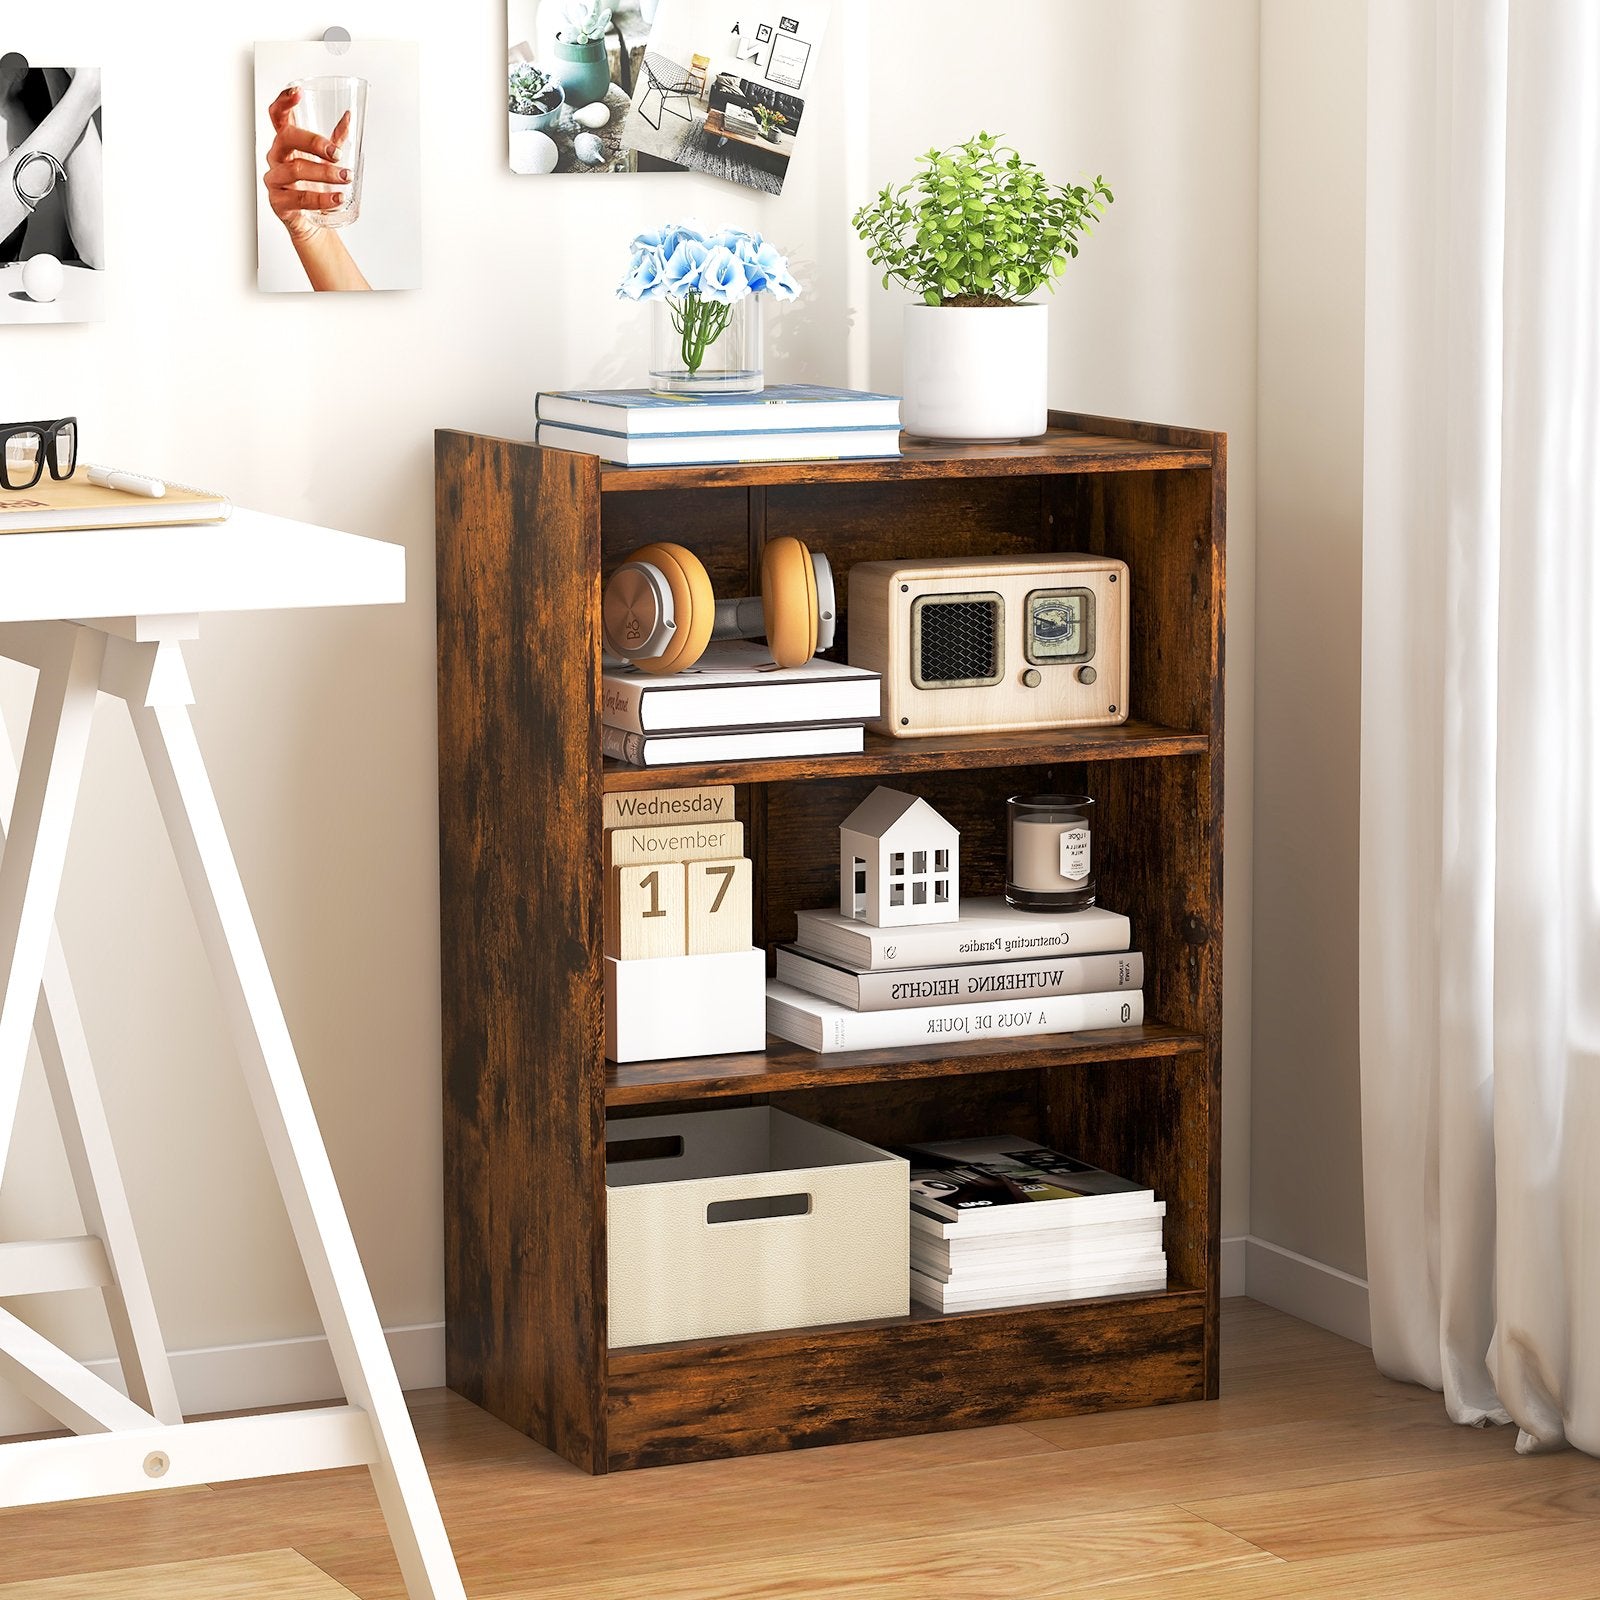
(1311, 1476)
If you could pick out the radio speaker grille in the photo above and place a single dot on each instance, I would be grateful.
(957, 640)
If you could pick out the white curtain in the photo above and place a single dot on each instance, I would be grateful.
(1480, 742)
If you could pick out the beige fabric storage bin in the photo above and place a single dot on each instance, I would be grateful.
(748, 1220)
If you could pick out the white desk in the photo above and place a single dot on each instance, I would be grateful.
(136, 595)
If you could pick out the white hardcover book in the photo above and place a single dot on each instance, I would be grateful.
(1027, 1221)
(902, 987)
(737, 686)
(678, 749)
(821, 1026)
(986, 930)
(723, 449)
(1012, 1274)
(929, 1293)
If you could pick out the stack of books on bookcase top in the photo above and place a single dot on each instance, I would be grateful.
(787, 422)
(992, 973)
(734, 705)
(1006, 1222)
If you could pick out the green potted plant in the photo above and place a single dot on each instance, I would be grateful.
(974, 233)
(581, 61)
(535, 98)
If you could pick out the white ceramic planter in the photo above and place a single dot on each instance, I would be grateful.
(976, 372)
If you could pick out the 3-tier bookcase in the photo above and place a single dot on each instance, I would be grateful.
(525, 539)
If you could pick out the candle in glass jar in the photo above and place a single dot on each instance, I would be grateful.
(1051, 858)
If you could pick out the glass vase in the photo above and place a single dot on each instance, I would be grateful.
(705, 347)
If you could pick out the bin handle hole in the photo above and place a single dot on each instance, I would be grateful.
(758, 1208)
(660, 1147)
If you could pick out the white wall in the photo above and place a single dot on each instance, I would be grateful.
(320, 729)
(1305, 1188)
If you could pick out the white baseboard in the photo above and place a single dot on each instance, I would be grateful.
(1310, 1290)
(243, 1377)
(1234, 1257)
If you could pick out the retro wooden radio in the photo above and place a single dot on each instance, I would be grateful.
(993, 643)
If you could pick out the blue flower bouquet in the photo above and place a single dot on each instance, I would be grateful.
(708, 290)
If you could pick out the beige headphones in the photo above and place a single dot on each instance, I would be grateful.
(659, 611)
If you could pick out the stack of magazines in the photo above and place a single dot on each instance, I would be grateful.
(783, 422)
(1006, 1222)
(734, 705)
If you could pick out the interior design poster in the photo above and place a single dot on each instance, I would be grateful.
(338, 167)
(572, 67)
(52, 221)
(726, 85)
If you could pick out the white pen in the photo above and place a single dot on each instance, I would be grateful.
(128, 482)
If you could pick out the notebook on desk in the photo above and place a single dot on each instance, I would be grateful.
(51, 507)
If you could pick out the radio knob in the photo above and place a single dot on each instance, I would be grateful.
(1087, 674)
(1031, 678)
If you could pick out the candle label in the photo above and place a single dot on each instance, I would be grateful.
(1075, 854)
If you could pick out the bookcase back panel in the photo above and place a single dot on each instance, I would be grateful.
(713, 523)
(890, 1114)
(1161, 524)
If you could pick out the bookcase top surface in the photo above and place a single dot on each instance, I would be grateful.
(1062, 450)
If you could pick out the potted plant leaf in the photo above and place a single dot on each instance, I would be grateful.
(581, 61)
(974, 233)
(534, 97)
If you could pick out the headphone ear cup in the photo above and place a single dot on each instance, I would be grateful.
(789, 601)
(692, 601)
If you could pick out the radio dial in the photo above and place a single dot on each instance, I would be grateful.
(1031, 678)
(1087, 674)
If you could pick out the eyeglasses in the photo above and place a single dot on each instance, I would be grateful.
(27, 448)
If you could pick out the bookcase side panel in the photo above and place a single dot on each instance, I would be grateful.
(521, 929)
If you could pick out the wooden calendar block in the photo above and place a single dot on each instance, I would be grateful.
(682, 841)
(655, 808)
(719, 906)
(645, 912)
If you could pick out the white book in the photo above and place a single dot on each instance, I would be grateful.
(669, 750)
(723, 449)
(735, 685)
(902, 987)
(1013, 1274)
(1025, 1222)
(929, 1293)
(779, 408)
(821, 1026)
(986, 930)
(1070, 1245)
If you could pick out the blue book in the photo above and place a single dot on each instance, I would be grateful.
(779, 408)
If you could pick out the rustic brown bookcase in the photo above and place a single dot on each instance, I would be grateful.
(525, 537)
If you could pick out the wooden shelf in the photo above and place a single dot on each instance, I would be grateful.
(1061, 450)
(948, 753)
(927, 1372)
(784, 1066)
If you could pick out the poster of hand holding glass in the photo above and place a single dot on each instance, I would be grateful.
(338, 199)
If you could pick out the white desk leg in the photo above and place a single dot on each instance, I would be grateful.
(92, 1160)
(30, 870)
(294, 1144)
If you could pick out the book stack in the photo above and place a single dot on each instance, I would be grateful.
(784, 422)
(734, 705)
(992, 973)
(1006, 1222)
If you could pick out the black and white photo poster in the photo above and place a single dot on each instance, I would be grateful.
(52, 178)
